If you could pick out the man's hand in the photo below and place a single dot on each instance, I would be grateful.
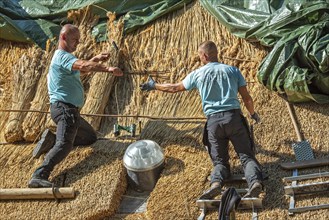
(115, 70)
(256, 117)
(148, 86)
(100, 57)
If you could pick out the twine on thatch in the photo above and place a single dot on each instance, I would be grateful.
(26, 75)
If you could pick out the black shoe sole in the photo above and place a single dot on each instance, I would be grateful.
(39, 183)
(211, 193)
(254, 192)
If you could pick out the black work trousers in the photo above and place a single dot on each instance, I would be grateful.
(72, 130)
(231, 126)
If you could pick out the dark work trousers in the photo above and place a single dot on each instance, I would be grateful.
(72, 130)
(231, 126)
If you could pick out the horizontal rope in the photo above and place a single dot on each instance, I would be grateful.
(113, 116)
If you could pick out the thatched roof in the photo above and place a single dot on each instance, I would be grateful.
(168, 45)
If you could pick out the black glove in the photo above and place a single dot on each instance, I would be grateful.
(255, 117)
(148, 86)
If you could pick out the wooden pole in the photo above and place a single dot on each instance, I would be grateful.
(37, 193)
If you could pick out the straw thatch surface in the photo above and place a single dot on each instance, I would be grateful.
(96, 173)
(169, 45)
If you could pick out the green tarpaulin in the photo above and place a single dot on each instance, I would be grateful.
(296, 30)
(38, 20)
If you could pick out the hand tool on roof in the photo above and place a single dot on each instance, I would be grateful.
(115, 46)
(304, 155)
(130, 128)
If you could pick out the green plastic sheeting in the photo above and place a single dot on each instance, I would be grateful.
(38, 20)
(298, 65)
(9, 31)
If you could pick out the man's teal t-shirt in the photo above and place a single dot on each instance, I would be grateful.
(218, 86)
(64, 84)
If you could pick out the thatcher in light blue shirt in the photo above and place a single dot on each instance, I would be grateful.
(218, 86)
(64, 84)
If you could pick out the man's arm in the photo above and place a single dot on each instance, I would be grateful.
(247, 100)
(166, 87)
(100, 57)
(89, 66)
(169, 87)
(92, 65)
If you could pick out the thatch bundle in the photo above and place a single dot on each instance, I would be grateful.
(85, 20)
(26, 74)
(34, 122)
(9, 55)
(98, 98)
(167, 50)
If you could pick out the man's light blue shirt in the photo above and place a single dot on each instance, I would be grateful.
(64, 84)
(218, 86)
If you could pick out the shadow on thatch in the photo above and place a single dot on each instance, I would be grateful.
(165, 133)
(104, 152)
(172, 166)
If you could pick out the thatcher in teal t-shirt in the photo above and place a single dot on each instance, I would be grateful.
(64, 84)
(218, 86)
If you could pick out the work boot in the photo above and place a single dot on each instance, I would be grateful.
(46, 142)
(254, 190)
(212, 192)
(39, 180)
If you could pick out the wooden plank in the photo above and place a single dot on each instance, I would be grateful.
(305, 164)
(245, 203)
(37, 193)
(309, 208)
(309, 188)
(307, 176)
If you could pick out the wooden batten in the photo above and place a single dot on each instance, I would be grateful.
(37, 193)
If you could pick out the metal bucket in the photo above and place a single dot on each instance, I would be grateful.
(144, 161)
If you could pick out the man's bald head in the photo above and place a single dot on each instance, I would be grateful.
(68, 29)
(208, 52)
(69, 38)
